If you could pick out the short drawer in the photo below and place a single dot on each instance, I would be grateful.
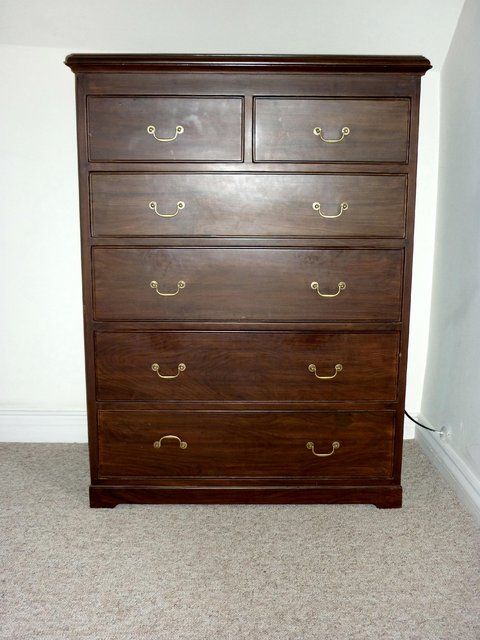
(246, 366)
(165, 128)
(242, 444)
(125, 204)
(331, 130)
(222, 284)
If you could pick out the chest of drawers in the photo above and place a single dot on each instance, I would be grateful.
(247, 229)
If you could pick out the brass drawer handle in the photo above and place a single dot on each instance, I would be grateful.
(158, 443)
(318, 132)
(180, 285)
(313, 369)
(341, 287)
(178, 131)
(335, 446)
(181, 367)
(180, 206)
(317, 207)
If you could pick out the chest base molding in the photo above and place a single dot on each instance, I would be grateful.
(383, 497)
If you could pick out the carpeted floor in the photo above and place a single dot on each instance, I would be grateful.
(230, 572)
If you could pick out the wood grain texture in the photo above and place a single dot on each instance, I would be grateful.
(253, 284)
(379, 130)
(117, 128)
(246, 366)
(248, 205)
(238, 444)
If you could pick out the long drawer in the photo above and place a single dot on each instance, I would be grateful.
(246, 366)
(165, 128)
(331, 130)
(247, 205)
(247, 284)
(247, 444)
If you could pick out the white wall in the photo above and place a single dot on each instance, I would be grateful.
(40, 291)
(452, 383)
(233, 26)
(40, 288)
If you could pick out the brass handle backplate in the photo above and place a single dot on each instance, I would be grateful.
(316, 206)
(180, 285)
(153, 207)
(318, 132)
(178, 131)
(313, 369)
(158, 443)
(316, 287)
(335, 446)
(156, 367)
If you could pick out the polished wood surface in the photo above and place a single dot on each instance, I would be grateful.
(245, 445)
(386, 496)
(248, 242)
(284, 130)
(111, 63)
(254, 284)
(246, 366)
(248, 205)
(117, 128)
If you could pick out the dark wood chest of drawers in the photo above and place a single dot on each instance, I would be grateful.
(247, 228)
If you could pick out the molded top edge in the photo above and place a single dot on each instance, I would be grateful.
(107, 63)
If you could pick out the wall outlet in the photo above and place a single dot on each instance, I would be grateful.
(445, 433)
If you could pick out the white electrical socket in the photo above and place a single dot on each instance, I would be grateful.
(445, 433)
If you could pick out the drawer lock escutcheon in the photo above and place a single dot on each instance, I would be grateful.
(156, 367)
(313, 369)
(180, 285)
(153, 207)
(158, 443)
(335, 446)
(318, 132)
(318, 207)
(316, 287)
(178, 131)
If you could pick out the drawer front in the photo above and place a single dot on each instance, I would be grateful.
(240, 444)
(350, 130)
(165, 129)
(247, 284)
(247, 205)
(246, 366)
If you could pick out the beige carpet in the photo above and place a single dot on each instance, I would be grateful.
(230, 572)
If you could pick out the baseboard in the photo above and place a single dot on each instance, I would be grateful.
(451, 466)
(20, 425)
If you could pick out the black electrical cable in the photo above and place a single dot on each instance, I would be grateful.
(421, 425)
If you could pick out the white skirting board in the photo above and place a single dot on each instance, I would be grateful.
(42, 426)
(451, 466)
